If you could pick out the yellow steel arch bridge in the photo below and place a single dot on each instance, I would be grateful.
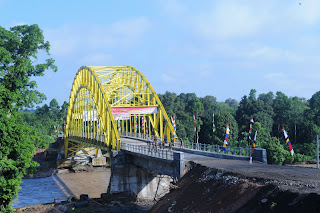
(105, 102)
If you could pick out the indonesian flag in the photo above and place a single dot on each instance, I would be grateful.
(194, 121)
(251, 156)
(251, 122)
(254, 143)
(119, 127)
(288, 140)
(255, 137)
(174, 122)
(213, 126)
(226, 138)
(136, 122)
(146, 128)
(143, 122)
(174, 125)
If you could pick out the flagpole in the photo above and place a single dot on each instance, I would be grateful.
(317, 151)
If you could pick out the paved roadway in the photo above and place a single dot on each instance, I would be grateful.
(298, 177)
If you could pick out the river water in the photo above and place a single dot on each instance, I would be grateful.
(62, 186)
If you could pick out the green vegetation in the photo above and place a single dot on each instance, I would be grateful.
(42, 121)
(300, 117)
(19, 47)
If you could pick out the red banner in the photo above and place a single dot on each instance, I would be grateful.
(134, 110)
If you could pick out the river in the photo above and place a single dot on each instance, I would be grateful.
(62, 186)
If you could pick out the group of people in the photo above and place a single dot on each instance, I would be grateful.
(157, 143)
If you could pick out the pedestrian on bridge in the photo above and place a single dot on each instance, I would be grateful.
(159, 143)
(181, 142)
(148, 141)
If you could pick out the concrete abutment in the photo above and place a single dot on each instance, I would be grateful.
(147, 177)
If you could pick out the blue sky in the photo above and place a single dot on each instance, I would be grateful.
(220, 48)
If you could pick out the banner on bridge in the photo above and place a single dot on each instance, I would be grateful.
(126, 111)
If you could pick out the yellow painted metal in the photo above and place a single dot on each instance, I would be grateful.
(95, 90)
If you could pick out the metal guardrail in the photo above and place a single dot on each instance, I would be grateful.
(158, 153)
(240, 151)
(231, 150)
(215, 148)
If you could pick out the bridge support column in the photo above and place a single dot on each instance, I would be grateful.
(128, 177)
(178, 164)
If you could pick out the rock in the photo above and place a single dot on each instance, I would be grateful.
(104, 196)
(264, 200)
(81, 204)
(99, 161)
(62, 208)
(84, 197)
(63, 171)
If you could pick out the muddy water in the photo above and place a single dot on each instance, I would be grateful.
(62, 186)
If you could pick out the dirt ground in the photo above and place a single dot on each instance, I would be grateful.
(205, 189)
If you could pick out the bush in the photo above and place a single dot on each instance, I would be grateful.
(276, 154)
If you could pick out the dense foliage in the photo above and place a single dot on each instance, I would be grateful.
(300, 117)
(43, 120)
(19, 47)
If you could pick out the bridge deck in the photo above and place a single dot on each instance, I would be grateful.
(302, 176)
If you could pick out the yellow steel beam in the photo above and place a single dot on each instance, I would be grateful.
(95, 89)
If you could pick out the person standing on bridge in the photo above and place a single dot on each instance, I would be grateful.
(148, 141)
(159, 143)
(181, 142)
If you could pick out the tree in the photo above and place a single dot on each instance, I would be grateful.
(19, 47)
(282, 105)
(209, 104)
(223, 118)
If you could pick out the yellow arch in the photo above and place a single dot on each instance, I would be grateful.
(95, 90)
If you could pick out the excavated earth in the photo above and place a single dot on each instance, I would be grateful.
(205, 189)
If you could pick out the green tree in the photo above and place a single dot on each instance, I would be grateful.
(209, 104)
(19, 47)
(282, 106)
(223, 118)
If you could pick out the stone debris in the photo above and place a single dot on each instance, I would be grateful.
(229, 179)
(225, 179)
(170, 209)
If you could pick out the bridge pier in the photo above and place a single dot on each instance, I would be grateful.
(147, 177)
(126, 176)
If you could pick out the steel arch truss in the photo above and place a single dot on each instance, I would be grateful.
(98, 90)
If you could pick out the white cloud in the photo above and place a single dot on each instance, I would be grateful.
(271, 54)
(228, 20)
(173, 7)
(282, 81)
(75, 39)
